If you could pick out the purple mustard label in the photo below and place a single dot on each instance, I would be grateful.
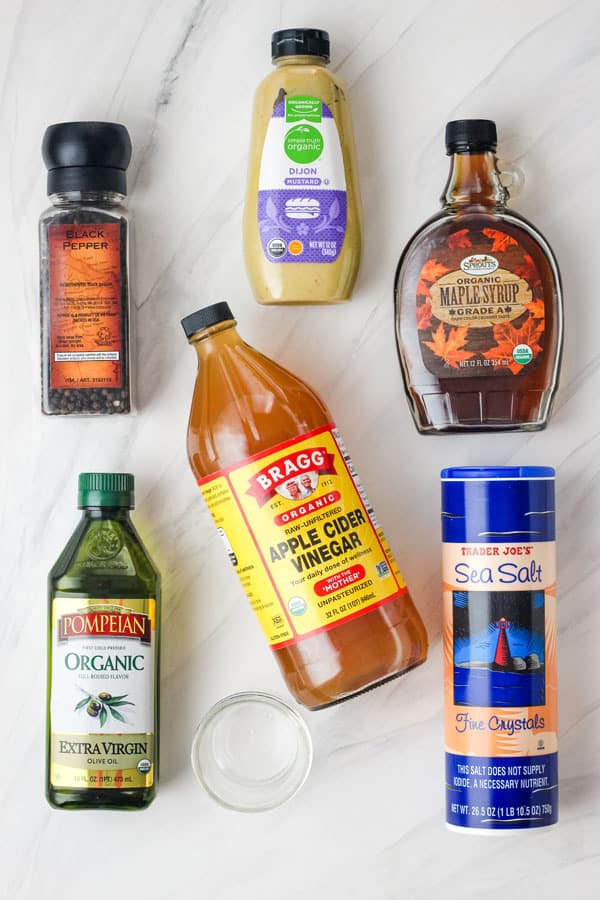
(302, 226)
(302, 201)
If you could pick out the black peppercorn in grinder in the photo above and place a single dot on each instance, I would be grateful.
(84, 278)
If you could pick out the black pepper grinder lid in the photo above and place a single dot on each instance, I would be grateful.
(86, 156)
(471, 136)
(300, 42)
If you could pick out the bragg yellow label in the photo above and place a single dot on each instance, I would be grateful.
(302, 536)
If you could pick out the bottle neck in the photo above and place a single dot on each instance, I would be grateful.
(215, 338)
(99, 513)
(103, 199)
(300, 61)
(474, 180)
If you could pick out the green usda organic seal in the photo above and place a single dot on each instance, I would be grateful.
(522, 354)
(297, 606)
(144, 766)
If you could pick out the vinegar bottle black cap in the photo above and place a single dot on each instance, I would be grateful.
(300, 42)
(206, 317)
(86, 156)
(471, 136)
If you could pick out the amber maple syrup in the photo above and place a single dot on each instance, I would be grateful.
(478, 303)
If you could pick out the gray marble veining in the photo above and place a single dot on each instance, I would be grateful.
(368, 824)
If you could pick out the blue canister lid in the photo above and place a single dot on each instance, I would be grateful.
(498, 504)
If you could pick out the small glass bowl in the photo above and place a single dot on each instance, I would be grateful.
(252, 752)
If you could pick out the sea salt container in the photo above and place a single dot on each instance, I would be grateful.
(499, 635)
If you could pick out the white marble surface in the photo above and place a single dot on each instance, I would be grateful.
(180, 73)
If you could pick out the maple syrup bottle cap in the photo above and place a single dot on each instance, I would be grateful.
(252, 752)
(471, 136)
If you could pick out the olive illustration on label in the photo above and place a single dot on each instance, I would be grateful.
(103, 705)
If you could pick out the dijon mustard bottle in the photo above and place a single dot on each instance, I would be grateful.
(302, 219)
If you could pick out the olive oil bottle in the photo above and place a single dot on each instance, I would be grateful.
(103, 657)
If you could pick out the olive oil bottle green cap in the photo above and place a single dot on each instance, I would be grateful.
(106, 489)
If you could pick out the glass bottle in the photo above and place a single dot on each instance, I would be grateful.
(478, 303)
(302, 218)
(103, 657)
(295, 521)
(84, 271)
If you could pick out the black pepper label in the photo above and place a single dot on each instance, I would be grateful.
(85, 306)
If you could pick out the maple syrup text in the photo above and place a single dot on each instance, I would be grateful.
(475, 294)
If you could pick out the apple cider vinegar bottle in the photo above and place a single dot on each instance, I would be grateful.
(295, 520)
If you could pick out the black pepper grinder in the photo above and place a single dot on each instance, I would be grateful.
(84, 278)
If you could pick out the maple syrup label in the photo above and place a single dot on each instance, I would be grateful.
(303, 537)
(85, 306)
(480, 306)
(102, 693)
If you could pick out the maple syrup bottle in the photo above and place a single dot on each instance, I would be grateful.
(478, 303)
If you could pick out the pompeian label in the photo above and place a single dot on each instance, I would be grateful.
(480, 306)
(85, 306)
(103, 623)
(501, 684)
(302, 184)
(102, 693)
(303, 537)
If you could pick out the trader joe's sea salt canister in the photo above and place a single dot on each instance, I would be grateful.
(499, 611)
